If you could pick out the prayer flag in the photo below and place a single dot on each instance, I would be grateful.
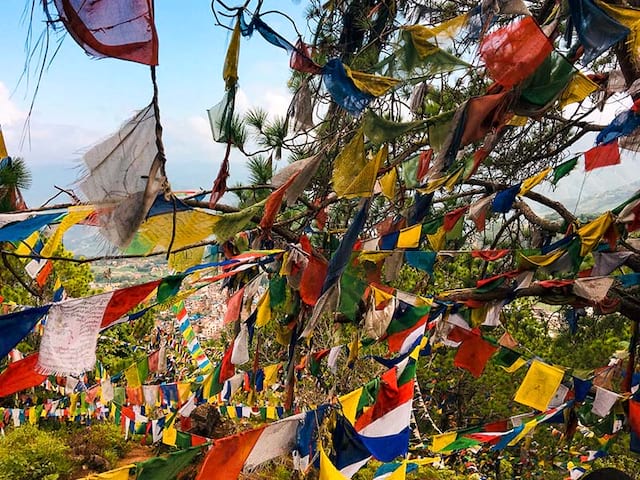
(539, 385)
(68, 345)
(602, 156)
(350, 453)
(563, 170)
(17, 325)
(596, 30)
(167, 467)
(515, 51)
(121, 29)
(20, 375)
(226, 458)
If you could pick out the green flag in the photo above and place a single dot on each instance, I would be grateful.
(564, 169)
(166, 468)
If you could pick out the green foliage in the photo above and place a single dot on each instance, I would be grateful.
(98, 446)
(27, 453)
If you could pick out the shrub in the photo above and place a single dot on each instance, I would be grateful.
(27, 453)
(98, 446)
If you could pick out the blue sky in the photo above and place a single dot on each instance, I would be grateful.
(82, 100)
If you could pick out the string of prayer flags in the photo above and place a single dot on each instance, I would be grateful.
(603, 155)
(596, 30)
(190, 339)
(123, 29)
(539, 385)
(514, 52)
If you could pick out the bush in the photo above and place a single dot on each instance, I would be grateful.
(27, 453)
(98, 446)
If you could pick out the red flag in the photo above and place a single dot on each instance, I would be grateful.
(423, 164)
(515, 51)
(473, 354)
(20, 375)
(451, 218)
(273, 203)
(233, 307)
(227, 369)
(124, 300)
(602, 156)
(121, 29)
(490, 255)
(313, 275)
(225, 459)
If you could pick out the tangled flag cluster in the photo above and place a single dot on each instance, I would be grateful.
(290, 290)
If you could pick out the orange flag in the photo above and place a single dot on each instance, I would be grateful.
(227, 456)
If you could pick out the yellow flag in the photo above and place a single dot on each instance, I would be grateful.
(264, 310)
(409, 237)
(73, 404)
(132, 376)
(515, 365)
(121, 473)
(373, 256)
(3, 147)
(579, 88)
(184, 390)
(539, 385)
(531, 182)
(181, 261)
(530, 425)
(453, 179)
(440, 442)
(353, 174)
(542, 260)
(74, 215)
(380, 296)
(191, 227)
(375, 85)
(271, 412)
(433, 185)
(420, 35)
(591, 233)
(437, 239)
(230, 70)
(169, 435)
(399, 473)
(270, 374)
(348, 164)
(518, 121)
(26, 246)
(349, 404)
(388, 184)
(327, 470)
